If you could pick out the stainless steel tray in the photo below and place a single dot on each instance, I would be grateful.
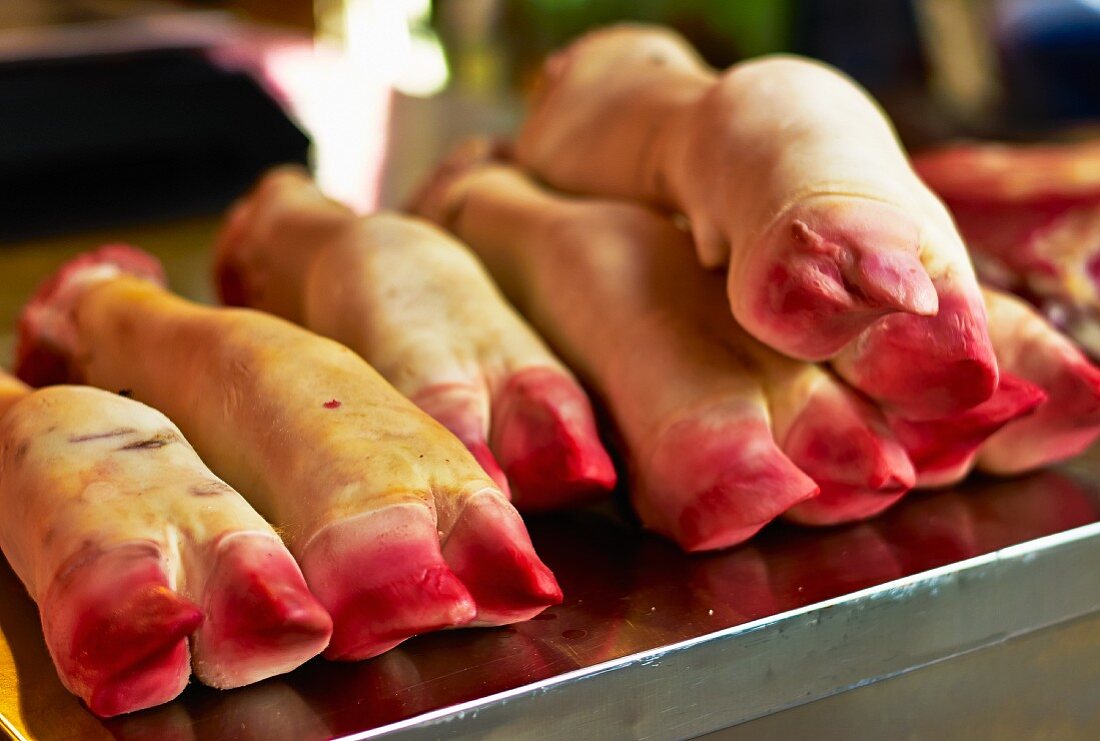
(652, 643)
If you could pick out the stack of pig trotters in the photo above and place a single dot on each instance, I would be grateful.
(861, 358)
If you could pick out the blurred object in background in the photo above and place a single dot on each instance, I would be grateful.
(1030, 215)
(1050, 57)
(496, 43)
(1014, 68)
(115, 116)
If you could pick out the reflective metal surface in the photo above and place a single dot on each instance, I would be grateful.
(650, 642)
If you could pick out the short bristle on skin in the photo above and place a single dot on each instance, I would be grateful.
(39, 360)
(943, 451)
(715, 483)
(546, 440)
(923, 368)
(843, 444)
(261, 619)
(383, 579)
(117, 632)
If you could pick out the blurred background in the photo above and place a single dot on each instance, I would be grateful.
(119, 112)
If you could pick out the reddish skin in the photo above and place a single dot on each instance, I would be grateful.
(546, 441)
(287, 201)
(948, 356)
(490, 551)
(259, 610)
(116, 630)
(942, 450)
(843, 444)
(714, 485)
(383, 579)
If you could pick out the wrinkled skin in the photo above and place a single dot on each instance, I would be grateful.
(419, 308)
(142, 562)
(793, 181)
(397, 529)
(700, 404)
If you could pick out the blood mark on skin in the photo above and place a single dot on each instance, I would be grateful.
(332, 404)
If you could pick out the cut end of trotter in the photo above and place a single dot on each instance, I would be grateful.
(261, 619)
(117, 632)
(943, 450)
(713, 484)
(922, 368)
(844, 444)
(544, 434)
(382, 578)
(41, 355)
(490, 551)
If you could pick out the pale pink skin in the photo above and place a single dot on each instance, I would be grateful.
(133, 549)
(839, 440)
(1069, 420)
(350, 471)
(416, 305)
(793, 179)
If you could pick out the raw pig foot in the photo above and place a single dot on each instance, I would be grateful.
(419, 307)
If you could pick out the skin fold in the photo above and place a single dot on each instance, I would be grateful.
(397, 529)
(1069, 420)
(701, 406)
(792, 180)
(143, 563)
(419, 307)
